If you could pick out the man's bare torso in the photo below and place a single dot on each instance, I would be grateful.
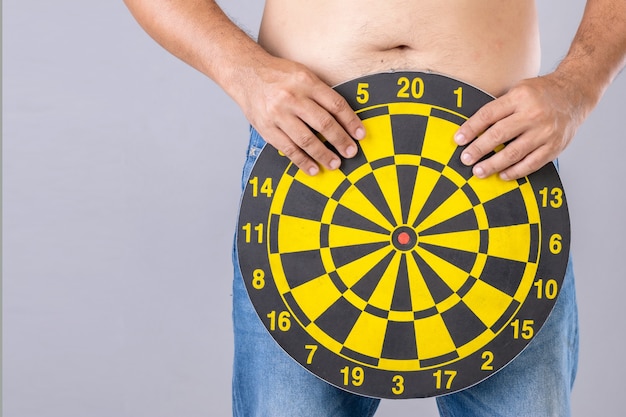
(490, 43)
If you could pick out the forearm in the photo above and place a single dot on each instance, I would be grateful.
(282, 99)
(199, 33)
(598, 52)
(538, 117)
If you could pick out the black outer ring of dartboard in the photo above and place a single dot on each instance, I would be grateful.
(328, 363)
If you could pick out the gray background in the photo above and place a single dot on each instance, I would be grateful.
(121, 170)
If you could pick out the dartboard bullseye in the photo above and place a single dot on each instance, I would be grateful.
(401, 274)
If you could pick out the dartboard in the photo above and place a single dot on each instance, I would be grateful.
(401, 274)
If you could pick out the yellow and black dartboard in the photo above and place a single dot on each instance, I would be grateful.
(400, 274)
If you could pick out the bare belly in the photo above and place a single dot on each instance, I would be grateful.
(491, 44)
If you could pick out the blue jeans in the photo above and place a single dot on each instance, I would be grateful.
(268, 383)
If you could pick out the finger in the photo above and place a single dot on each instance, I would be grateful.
(486, 116)
(531, 163)
(493, 138)
(319, 119)
(304, 139)
(282, 142)
(509, 156)
(341, 111)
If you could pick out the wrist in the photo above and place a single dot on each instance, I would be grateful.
(584, 86)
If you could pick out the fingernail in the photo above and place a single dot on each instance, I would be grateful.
(504, 176)
(459, 138)
(360, 133)
(334, 164)
(479, 172)
(466, 158)
(313, 170)
(350, 151)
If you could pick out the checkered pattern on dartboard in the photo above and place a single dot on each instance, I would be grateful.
(338, 272)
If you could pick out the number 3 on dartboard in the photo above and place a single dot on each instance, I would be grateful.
(398, 387)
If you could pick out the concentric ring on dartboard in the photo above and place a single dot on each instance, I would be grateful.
(401, 274)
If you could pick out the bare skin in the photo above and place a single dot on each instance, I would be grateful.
(491, 44)
(282, 83)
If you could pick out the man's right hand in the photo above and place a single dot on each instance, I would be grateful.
(284, 101)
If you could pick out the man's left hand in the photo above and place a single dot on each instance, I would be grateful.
(536, 119)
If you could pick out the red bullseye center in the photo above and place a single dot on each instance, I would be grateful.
(404, 238)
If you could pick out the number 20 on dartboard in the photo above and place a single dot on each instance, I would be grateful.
(407, 89)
